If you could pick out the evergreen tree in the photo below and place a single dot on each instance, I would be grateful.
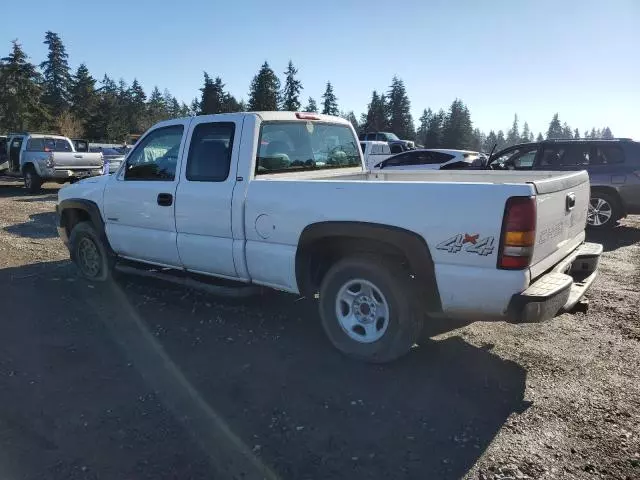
(242, 106)
(311, 106)
(606, 134)
(457, 131)
(425, 118)
(539, 138)
(292, 89)
(109, 122)
(20, 93)
(586, 134)
(329, 101)
(352, 119)
(478, 140)
(576, 134)
(137, 108)
(156, 107)
(215, 99)
(399, 110)
(500, 140)
(376, 117)
(555, 128)
(513, 135)
(83, 95)
(567, 133)
(526, 133)
(185, 110)
(593, 133)
(194, 108)
(56, 76)
(490, 142)
(434, 135)
(264, 93)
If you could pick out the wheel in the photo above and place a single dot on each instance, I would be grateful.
(604, 210)
(89, 253)
(369, 309)
(32, 181)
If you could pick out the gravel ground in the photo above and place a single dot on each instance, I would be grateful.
(144, 380)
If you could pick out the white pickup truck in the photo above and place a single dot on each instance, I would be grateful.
(282, 199)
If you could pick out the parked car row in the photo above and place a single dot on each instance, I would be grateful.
(276, 199)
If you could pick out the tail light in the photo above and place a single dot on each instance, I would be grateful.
(306, 116)
(518, 233)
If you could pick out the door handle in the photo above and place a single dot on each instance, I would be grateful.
(165, 199)
(571, 201)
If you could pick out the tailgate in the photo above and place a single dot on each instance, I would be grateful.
(76, 160)
(561, 203)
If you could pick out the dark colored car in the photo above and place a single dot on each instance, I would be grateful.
(613, 166)
(395, 144)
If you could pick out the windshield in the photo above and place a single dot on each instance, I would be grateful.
(308, 145)
(391, 137)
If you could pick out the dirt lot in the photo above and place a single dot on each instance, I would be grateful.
(144, 380)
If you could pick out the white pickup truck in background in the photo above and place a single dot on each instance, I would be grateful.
(42, 157)
(284, 200)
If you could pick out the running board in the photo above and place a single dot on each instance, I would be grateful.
(184, 279)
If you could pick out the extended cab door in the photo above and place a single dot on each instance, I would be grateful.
(204, 197)
(139, 203)
(14, 153)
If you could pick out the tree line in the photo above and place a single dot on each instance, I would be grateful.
(50, 96)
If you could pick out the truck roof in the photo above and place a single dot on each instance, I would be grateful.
(283, 116)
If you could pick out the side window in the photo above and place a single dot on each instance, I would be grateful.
(156, 157)
(363, 147)
(210, 152)
(35, 145)
(385, 149)
(395, 148)
(576, 156)
(552, 157)
(397, 160)
(608, 155)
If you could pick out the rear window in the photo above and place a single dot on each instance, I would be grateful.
(608, 155)
(48, 145)
(296, 146)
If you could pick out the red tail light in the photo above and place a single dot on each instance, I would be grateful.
(518, 233)
(307, 116)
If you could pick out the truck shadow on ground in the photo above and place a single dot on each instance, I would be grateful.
(263, 365)
(13, 188)
(40, 225)
(617, 237)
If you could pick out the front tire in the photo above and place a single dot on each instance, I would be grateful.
(89, 253)
(604, 211)
(369, 309)
(32, 181)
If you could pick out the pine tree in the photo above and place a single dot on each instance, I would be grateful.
(329, 101)
(606, 133)
(264, 93)
(352, 119)
(567, 133)
(194, 108)
(434, 135)
(109, 122)
(20, 93)
(555, 128)
(539, 138)
(586, 134)
(137, 110)
(478, 140)
(526, 133)
(576, 134)
(513, 135)
(490, 141)
(500, 140)
(311, 106)
(215, 99)
(292, 89)
(156, 107)
(56, 76)
(376, 117)
(457, 131)
(399, 110)
(593, 133)
(425, 118)
(83, 95)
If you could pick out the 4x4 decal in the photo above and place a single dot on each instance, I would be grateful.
(468, 243)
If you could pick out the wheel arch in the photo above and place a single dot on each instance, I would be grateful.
(321, 244)
(75, 210)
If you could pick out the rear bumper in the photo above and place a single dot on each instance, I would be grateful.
(72, 173)
(560, 289)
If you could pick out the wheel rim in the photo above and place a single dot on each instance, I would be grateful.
(362, 311)
(28, 180)
(89, 259)
(600, 212)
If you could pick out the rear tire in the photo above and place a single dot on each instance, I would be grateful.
(369, 309)
(604, 210)
(92, 257)
(32, 181)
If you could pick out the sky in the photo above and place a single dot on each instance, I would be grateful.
(578, 58)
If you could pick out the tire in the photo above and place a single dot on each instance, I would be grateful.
(92, 257)
(32, 181)
(604, 210)
(362, 330)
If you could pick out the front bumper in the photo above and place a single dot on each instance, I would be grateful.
(558, 290)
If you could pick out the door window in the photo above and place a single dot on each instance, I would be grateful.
(516, 159)
(210, 152)
(575, 156)
(608, 155)
(156, 157)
